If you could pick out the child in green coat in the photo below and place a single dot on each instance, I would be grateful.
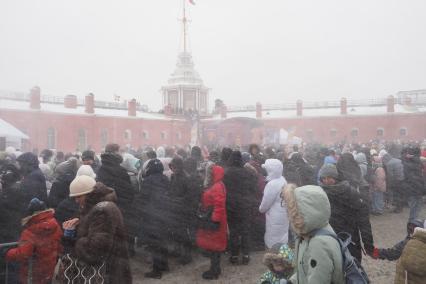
(279, 261)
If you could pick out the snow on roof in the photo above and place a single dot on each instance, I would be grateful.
(8, 130)
(324, 112)
(80, 110)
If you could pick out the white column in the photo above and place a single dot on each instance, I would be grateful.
(197, 99)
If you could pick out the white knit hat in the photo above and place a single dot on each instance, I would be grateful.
(82, 185)
(86, 170)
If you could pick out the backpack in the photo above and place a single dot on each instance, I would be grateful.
(353, 272)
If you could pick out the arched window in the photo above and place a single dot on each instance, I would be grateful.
(163, 135)
(104, 137)
(128, 134)
(178, 136)
(82, 140)
(145, 135)
(403, 131)
(354, 132)
(51, 138)
(380, 132)
(333, 132)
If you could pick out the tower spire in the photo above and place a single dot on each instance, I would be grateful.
(184, 26)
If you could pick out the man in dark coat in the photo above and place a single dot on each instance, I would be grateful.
(224, 157)
(196, 184)
(154, 207)
(64, 174)
(349, 213)
(183, 198)
(113, 175)
(34, 182)
(241, 185)
(12, 208)
(394, 180)
(297, 171)
(11, 212)
(414, 187)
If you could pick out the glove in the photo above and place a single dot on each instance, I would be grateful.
(375, 253)
(69, 233)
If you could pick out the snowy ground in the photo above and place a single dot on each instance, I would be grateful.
(387, 229)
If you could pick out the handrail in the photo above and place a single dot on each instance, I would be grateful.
(30, 263)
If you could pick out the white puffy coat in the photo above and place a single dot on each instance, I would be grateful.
(276, 215)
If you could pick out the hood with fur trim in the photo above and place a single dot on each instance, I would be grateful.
(308, 208)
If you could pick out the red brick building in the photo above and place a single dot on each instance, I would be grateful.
(68, 123)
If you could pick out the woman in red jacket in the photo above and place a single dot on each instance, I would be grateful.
(212, 237)
(40, 240)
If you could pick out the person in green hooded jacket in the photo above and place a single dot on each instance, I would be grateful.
(318, 258)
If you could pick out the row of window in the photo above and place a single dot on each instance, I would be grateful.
(82, 137)
(380, 132)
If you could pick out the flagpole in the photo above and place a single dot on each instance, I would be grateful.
(184, 25)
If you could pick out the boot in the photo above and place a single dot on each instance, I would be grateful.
(246, 259)
(211, 275)
(233, 259)
(214, 271)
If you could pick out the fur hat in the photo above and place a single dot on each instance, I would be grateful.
(82, 185)
(279, 253)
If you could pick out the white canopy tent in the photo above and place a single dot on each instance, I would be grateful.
(10, 135)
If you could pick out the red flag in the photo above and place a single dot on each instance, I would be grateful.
(192, 2)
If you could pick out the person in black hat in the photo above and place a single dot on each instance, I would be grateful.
(34, 182)
(394, 253)
(89, 158)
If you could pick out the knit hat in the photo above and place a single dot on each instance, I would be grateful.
(82, 185)
(86, 170)
(35, 205)
(328, 170)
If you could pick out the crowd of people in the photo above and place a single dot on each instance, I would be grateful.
(171, 201)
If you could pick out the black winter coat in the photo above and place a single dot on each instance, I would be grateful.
(60, 190)
(12, 210)
(113, 175)
(66, 210)
(34, 185)
(153, 205)
(349, 214)
(413, 172)
(241, 189)
(185, 196)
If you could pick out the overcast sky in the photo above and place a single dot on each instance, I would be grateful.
(273, 51)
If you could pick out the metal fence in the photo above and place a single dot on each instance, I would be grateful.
(5, 275)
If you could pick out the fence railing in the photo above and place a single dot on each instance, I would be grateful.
(418, 100)
(6, 274)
